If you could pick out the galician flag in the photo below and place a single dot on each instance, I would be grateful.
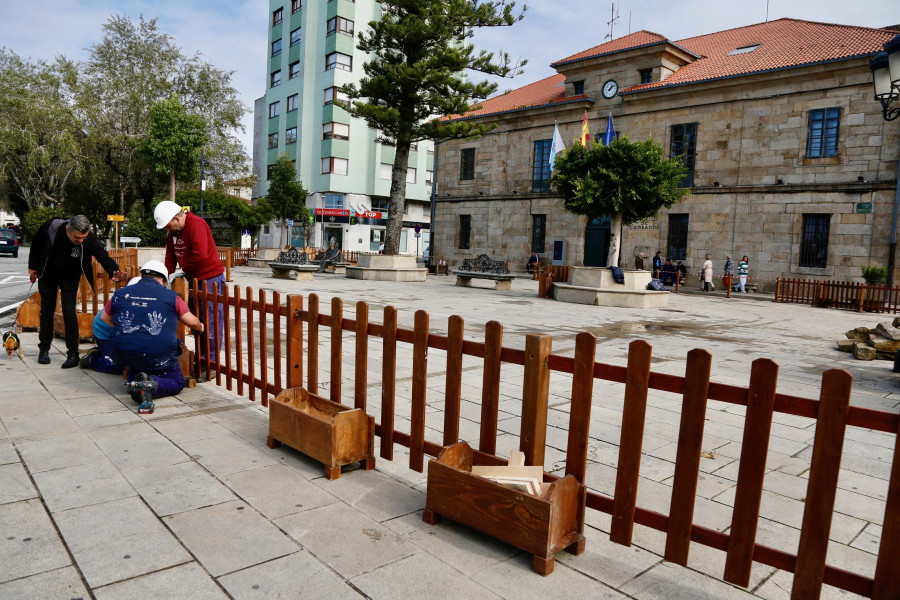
(557, 145)
(585, 132)
(610, 134)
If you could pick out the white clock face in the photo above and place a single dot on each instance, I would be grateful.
(610, 88)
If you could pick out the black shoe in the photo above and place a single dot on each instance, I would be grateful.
(88, 361)
(44, 357)
(72, 360)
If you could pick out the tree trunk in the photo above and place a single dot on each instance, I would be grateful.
(172, 185)
(615, 240)
(283, 234)
(398, 199)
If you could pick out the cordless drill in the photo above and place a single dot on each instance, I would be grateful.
(141, 391)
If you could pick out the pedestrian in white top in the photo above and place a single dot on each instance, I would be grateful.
(743, 271)
(708, 274)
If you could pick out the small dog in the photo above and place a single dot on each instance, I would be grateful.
(11, 343)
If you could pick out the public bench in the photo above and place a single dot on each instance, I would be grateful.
(293, 264)
(484, 268)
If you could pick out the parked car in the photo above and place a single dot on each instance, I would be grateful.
(9, 243)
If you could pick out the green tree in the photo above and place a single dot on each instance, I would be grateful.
(629, 181)
(417, 73)
(40, 136)
(287, 196)
(36, 217)
(173, 142)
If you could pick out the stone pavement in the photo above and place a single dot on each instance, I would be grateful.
(97, 501)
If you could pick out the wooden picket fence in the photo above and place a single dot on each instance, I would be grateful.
(550, 274)
(251, 319)
(849, 295)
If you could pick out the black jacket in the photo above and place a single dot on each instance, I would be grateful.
(49, 233)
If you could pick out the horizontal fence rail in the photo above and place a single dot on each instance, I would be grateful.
(850, 295)
(256, 356)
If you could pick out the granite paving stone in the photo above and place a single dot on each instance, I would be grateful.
(188, 427)
(375, 494)
(16, 484)
(184, 582)
(513, 578)
(40, 427)
(227, 454)
(64, 583)
(137, 452)
(82, 485)
(8, 453)
(230, 536)
(277, 491)
(178, 488)
(298, 575)
(118, 540)
(667, 581)
(403, 578)
(58, 453)
(28, 543)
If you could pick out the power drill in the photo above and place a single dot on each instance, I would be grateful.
(142, 392)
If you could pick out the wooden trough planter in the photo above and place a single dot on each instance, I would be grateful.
(331, 433)
(542, 525)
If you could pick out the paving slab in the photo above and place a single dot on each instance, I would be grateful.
(16, 484)
(227, 454)
(59, 453)
(132, 453)
(40, 427)
(64, 584)
(8, 453)
(82, 485)
(298, 575)
(513, 578)
(229, 537)
(277, 491)
(375, 494)
(118, 540)
(178, 488)
(404, 578)
(29, 544)
(188, 427)
(184, 582)
(666, 581)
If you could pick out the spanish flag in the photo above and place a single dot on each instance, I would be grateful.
(585, 133)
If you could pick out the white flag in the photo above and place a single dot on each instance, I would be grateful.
(557, 145)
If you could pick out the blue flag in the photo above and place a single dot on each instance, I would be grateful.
(557, 145)
(610, 134)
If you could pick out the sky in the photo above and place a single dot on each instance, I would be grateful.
(232, 34)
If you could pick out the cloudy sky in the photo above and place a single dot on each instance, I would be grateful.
(231, 34)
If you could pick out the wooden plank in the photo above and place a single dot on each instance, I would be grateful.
(388, 381)
(453, 392)
(215, 329)
(887, 575)
(831, 422)
(535, 393)
(580, 410)
(263, 350)
(687, 462)
(276, 339)
(751, 471)
(361, 364)
(337, 345)
(226, 329)
(251, 361)
(629, 465)
(295, 342)
(490, 387)
(419, 380)
(312, 343)
(207, 360)
(239, 333)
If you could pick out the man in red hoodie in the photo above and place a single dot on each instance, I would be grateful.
(190, 243)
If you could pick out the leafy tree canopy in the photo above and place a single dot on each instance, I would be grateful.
(287, 196)
(36, 217)
(173, 141)
(417, 74)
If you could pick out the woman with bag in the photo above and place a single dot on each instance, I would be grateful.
(708, 274)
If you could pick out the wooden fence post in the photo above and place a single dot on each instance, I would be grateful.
(831, 421)
(226, 331)
(887, 575)
(263, 350)
(453, 392)
(276, 340)
(251, 363)
(751, 471)
(362, 355)
(687, 458)
(239, 341)
(637, 379)
(777, 288)
(490, 387)
(420, 372)
(580, 411)
(388, 381)
(312, 353)
(294, 342)
(337, 348)
(536, 388)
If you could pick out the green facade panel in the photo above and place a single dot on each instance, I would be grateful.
(331, 112)
(274, 124)
(291, 119)
(336, 148)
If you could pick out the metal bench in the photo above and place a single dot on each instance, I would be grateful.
(484, 268)
(293, 264)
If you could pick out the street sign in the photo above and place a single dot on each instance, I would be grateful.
(130, 240)
(115, 217)
(863, 208)
(290, 222)
(417, 234)
(417, 230)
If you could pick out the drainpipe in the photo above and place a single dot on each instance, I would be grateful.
(434, 187)
(893, 248)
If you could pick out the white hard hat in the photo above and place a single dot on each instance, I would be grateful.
(155, 267)
(164, 212)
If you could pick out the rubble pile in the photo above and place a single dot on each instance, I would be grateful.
(868, 344)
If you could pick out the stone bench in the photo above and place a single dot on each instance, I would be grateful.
(503, 281)
(339, 268)
(292, 271)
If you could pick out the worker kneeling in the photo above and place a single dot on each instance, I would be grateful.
(144, 317)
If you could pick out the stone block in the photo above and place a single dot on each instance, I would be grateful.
(863, 351)
(845, 345)
(888, 330)
(883, 344)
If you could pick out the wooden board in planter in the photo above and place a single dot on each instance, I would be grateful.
(331, 433)
(542, 525)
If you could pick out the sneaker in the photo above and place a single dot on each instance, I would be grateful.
(44, 357)
(72, 360)
(88, 361)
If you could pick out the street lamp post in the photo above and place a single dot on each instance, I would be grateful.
(886, 74)
(203, 164)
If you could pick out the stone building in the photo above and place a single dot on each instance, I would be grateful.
(790, 161)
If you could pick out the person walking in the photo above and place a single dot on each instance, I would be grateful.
(743, 271)
(708, 274)
(60, 254)
(191, 246)
(729, 271)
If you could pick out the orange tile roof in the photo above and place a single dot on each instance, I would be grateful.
(632, 40)
(784, 43)
(551, 90)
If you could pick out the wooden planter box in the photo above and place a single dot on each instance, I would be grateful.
(329, 432)
(542, 525)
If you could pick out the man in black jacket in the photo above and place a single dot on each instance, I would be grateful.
(60, 254)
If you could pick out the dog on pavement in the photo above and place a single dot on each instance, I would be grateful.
(11, 343)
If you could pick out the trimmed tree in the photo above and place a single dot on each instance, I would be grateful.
(287, 196)
(417, 71)
(173, 142)
(628, 181)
